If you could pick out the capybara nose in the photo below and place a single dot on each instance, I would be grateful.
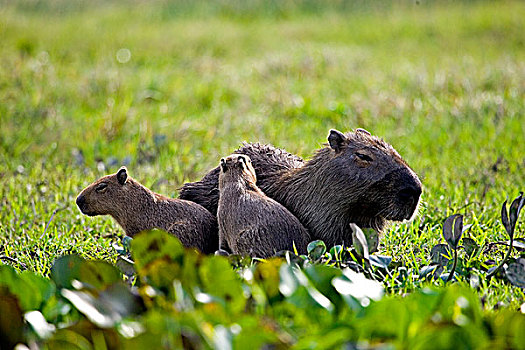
(409, 194)
(81, 201)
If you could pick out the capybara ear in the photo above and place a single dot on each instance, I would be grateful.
(337, 140)
(122, 175)
(223, 164)
(363, 131)
(244, 159)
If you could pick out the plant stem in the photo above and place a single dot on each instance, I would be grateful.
(504, 259)
(451, 273)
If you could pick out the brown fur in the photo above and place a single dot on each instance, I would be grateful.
(250, 223)
(136, 208)
(356, 178)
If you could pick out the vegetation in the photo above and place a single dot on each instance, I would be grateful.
(182, 299)
(167, 88)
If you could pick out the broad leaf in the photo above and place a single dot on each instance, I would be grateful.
(39, 324)
(11, 320)
(514, 211)
(359, 241)
(372, 239)
(316, 249)
(380, 260)
(440, 254)
(516, 273)
(358, 286)
(297, 288)
(126, 266)
(505, 220)
(424, 271)
(104, 308)
(150, 245)
(31, 290)
(126, 243)
(96, 274)
(219, 280)
(470, 246)
(452, 230)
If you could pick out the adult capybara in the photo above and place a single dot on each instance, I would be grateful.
(136, 209)
(356, 178)
(251, 223)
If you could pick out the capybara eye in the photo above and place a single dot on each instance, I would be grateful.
(363, 156)
(101, 187)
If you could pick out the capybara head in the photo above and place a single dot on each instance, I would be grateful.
(369, 179)
(106, 195)
(237, 167)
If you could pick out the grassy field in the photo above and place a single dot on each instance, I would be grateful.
(168, 92)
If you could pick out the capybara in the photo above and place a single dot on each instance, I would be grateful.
(136, 209)
(251, 223)
(355, 178)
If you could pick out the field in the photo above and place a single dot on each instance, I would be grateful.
(167, 89)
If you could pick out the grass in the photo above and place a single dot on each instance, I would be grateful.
(443, 83)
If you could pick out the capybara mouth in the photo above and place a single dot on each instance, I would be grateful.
(407, 213)
(88, 213)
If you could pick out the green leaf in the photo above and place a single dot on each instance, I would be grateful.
(160, 274)
(84, 335)
(126, 243)
(298, 290)
(31, 290)
(336, 252)
(267, 277)
(104, 308)
(253, 332)
(452, 230)
(359, 241)
(11, 320)
(126, 266)
(320, 277)
(151, 245)
(288, 284)
(358, 286)
(66, 269)
(505, 220)
(508, 325)
(424, 271)
(219, 280)
(96, 274)
(514, 211)
(372, 239)
(161, 329)
(440, 254)
(470, 246)
(381, 261)
(516, 273)
(316, 249)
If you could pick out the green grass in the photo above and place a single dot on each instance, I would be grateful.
(443, 83)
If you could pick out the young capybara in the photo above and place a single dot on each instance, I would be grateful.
(356, 178)
(136, 208)
(251, 223)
